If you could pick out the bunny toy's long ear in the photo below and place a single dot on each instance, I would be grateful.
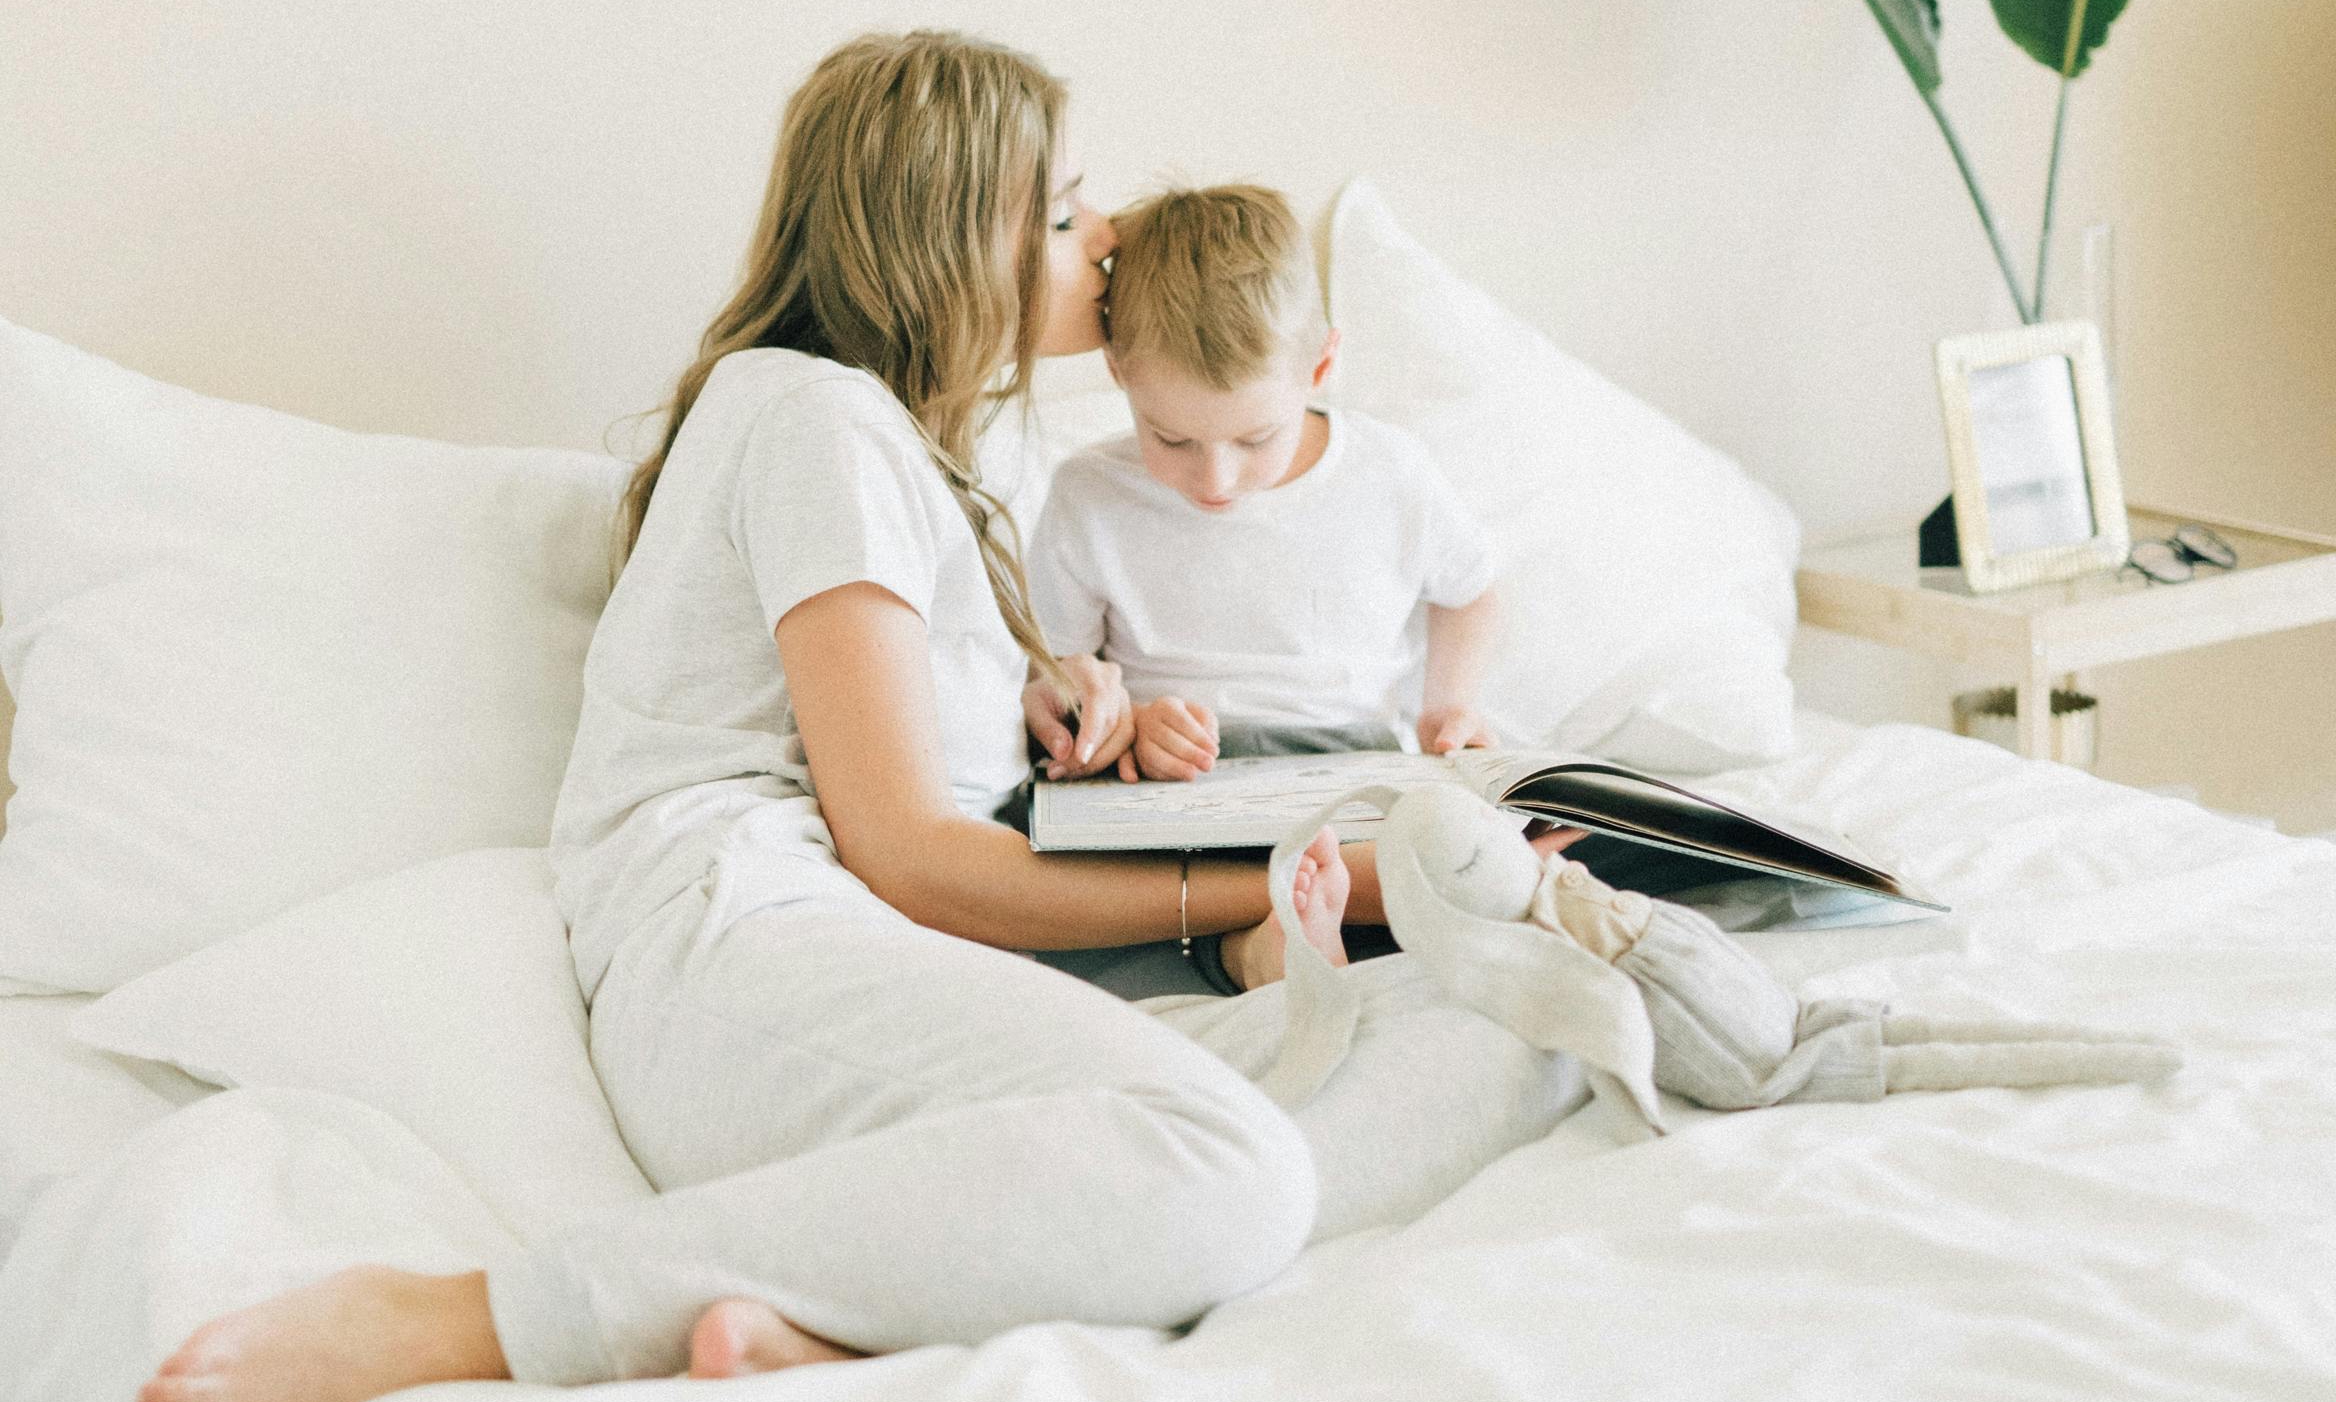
(1921, 1053)
(1322, 1007)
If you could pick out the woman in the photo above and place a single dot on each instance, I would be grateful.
(871, 1126)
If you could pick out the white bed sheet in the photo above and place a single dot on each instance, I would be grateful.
(2177, 1242)
(64, 1106)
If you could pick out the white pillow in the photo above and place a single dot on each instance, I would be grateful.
(1647, 582)
(255, 658)
(441, 996)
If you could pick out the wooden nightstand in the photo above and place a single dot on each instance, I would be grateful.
(1870, 588)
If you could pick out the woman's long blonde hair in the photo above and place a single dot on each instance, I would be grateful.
(904, 232)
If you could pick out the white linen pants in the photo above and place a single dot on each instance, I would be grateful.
(897, 1137)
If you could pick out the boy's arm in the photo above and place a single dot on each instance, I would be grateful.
(1459, 566)
(1460, 644)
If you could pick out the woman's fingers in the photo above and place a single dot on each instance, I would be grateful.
(1116, 743)
(1041, 712)
(1102, 701)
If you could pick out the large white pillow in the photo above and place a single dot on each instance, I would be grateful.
(255, 658)
(1648, 582)
(440, 995)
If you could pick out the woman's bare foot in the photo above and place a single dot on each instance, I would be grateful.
(1319, 890)
(738, 1337)
(347, 1338)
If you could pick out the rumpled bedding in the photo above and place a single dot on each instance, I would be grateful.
(2167, 1242)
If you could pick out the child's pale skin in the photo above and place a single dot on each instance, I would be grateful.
(1218, 447)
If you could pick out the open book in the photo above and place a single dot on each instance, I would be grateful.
(1253, 802)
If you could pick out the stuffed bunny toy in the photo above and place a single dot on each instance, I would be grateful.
(1647, 993)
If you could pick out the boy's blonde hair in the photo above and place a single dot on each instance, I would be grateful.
(905, 163)
(1216, 283)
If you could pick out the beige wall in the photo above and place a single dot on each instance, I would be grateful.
(509, 222)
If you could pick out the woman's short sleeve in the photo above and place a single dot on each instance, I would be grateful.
(835, 488)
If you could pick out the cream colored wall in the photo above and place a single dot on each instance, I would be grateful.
(2207, 135)
(508, 222)
(2224, 187)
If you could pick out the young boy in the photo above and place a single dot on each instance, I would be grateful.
(1271, 577)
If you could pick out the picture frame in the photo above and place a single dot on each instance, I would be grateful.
(2031, 456)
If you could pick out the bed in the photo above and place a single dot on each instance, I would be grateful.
(2176, 1242)
(301, 863)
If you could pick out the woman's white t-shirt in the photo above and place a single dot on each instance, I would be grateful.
(687, 795)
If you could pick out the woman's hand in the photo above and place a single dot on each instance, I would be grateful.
(1106, 721)
(1175, 739)
(1443, 729)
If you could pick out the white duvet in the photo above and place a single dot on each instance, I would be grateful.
(2170, 1243)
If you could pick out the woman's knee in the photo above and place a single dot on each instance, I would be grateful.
(1238, 1204)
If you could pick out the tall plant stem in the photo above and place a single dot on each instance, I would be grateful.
(2003, 260)
(2051, 188)
(2076, 30)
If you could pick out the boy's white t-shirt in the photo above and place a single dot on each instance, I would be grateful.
(687, 793)
(1304, 604)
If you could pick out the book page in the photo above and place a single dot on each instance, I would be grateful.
(1240, 803)
(1652, 811)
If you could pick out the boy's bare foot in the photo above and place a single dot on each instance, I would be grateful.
(738, 1337)
(1323, 883)
(1319, 890)
(347, 1338)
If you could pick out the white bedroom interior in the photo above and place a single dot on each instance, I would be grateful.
(506, 224)
(284, 983)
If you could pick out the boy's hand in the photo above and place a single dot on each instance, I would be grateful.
(1106, 721)
(1443, 729)
(1175, 739)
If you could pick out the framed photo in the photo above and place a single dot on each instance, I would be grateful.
(2037, 496)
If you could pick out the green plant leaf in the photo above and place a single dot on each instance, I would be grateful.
(1913, 28)
(2040, 27)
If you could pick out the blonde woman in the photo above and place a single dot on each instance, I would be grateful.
(872, 1127)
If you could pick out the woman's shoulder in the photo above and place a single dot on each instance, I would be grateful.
(769, 415)
(761, 379)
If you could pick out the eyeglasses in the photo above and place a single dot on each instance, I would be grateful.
(2175, 559)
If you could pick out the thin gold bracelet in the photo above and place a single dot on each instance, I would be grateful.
(1184, 902)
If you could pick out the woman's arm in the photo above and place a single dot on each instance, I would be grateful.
(859, 675)
(1460, 643)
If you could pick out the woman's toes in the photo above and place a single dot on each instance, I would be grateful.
(735, 1338)
(718, 1345)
